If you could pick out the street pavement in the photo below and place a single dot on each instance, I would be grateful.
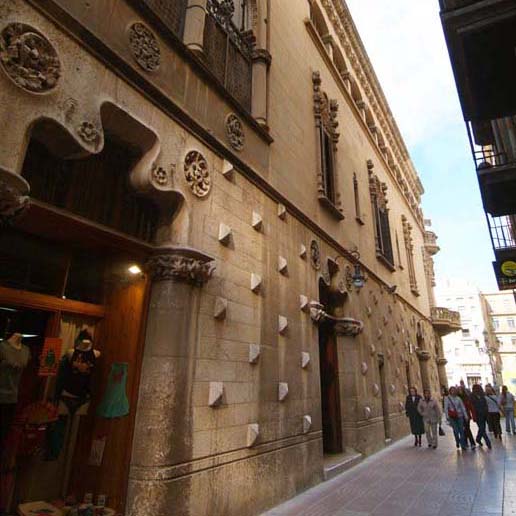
(404, 480)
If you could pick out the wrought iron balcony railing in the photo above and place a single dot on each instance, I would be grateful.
(503, 232)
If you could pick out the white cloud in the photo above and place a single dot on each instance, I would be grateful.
(405, 42)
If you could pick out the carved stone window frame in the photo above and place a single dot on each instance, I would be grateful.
(382, 229)
(325, 114)
(409, 251)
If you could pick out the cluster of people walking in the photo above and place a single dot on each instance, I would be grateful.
(460, 406)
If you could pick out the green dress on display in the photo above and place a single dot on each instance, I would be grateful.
(115, 402)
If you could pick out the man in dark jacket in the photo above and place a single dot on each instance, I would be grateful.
(479, 413)
(417, 426)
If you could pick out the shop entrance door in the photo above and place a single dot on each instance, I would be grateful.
(329, 373)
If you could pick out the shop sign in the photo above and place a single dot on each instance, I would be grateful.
(50, 355)
(505, 270)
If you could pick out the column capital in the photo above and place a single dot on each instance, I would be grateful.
(14, 198)
(261, 55)
(178, 263)
(423, 355)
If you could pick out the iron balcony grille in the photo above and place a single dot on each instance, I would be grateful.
(503, 232)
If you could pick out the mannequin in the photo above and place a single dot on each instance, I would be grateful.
(77, 368)
(14, 357)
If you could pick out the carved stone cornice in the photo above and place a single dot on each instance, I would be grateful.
(348, 36)
(182, 264)
(14, 199)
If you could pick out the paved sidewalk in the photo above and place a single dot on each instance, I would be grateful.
(404, 480)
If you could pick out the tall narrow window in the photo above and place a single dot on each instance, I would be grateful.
(378, 191)
(358, 211)
(400, 265)
(409, 251)
(325, 112)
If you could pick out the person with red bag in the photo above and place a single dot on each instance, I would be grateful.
(480, 413)
(456, 414)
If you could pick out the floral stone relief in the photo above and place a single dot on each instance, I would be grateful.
(28, 58)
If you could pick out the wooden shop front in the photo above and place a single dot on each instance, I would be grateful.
(73, 263)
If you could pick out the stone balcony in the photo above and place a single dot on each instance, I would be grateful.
(431, 243)
(445, 321)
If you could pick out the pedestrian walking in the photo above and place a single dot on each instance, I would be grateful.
(464, 395)
(494, 410)
(417, 426)
(506, 401)
(456, 415)
(480, 413)
(431, 414)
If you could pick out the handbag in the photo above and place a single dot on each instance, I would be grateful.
(452, 412)
(441, 431)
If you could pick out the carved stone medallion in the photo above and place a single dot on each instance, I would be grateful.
(197, 174)
(144, 47)
(88, 132)
(28, 58)
(315, 255)
(159, 175)
(235, 132)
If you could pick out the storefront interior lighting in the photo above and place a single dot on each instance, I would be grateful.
(135, 269)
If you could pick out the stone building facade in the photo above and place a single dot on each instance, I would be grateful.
(286, 302)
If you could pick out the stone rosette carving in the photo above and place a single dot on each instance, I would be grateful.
(88, 132)
(180, 264)
(28, 58)
(13, 197)
(159, 175)
(315, 255)
(197, 174)
(235, 132)
(144, 47)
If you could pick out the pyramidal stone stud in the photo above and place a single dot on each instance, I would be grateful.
(302, 251)
(305, 359)
(282, 324)
(256, 282)
(253, 432)
(282, 265)
(216, 393)
(228, 170)
(304, 305)
(254, 353)
(282, 391)
(307, 423)
(282, 211)
(364, 368)
(257, 221)
(220, 308)
(225, 233)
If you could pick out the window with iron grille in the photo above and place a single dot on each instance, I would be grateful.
(409, 251)
(228, 47)
(325, 112)
(378, 191)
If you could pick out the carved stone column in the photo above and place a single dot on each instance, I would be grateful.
(424, 357)
(195, 16)
(261, 63)
(441, 370)
(164, 417)
(14, 198)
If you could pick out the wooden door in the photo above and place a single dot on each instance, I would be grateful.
(330, 394)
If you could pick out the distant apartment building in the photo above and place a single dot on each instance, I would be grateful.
(502, 311)
(472, 353)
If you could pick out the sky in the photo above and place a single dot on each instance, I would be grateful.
(405, 42)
